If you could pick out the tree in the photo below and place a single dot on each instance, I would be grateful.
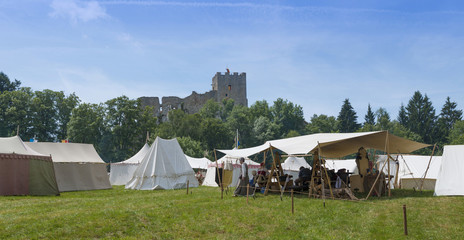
(211, 109)
(288, 115)
(264, 130)
(64, 105)
(15, 111)
(215, 134)
(421, 117)
(402, 116)
(260, 109)
(448, 116)
(457, 133)
(6, 85)
(322, 124)
(191, 147)
(240, 119)
(347, 118)
(45, 115)
(369, 118)
(383, 119)
(86, 124)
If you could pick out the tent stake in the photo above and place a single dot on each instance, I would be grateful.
(405, 220)
(188, 187)
(218, 175)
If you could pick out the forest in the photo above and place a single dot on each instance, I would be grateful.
(118, 128)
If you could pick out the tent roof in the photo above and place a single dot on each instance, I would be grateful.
(67, 152)
(334, 144)
(138, 157)
(198, 162)
(16, 145)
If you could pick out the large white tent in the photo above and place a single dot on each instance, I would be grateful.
(333, 145)
(450, 176)
(292, 165)
(336, 164)
(210, 178)
(163, 167)
(412, 170)
(199, 163)
(122, 172)
(77, 165)
(24, 171)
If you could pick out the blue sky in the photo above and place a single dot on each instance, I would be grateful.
(313, 53)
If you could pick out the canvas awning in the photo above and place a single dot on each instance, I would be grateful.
(334, 145)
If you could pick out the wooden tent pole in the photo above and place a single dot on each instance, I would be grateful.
(396, 174)
(311, 185)
(387, 143)
(376, 179)
(219, 176)
(268, 184)
(325, 170)
(428, 166)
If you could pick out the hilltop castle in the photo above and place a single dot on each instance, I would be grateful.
(227, 85)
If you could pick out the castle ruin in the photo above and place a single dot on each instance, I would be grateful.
(227, 85)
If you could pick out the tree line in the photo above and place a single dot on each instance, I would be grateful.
(118, 127)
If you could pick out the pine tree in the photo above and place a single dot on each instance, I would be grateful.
(402, 116)
(347, 118)
(448, 116)
(421, 117)
(369, 118)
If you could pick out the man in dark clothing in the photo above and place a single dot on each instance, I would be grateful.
(303, 176)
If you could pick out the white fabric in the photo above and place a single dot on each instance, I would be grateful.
(77, 165)
(334, 144)
(16, 145)
(163, 167)
(122, 172)
(201, 163)
(210, 177)
(294, 163)
(348, 164)
(451, 174)
(412, 170)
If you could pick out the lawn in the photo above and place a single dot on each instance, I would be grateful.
(202, 214)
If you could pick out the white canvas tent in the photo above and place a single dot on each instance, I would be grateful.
(348, 164)
(24, 171)
(334, 145)
(163, 167)
(411, 170)
(292, 165)
(200, 163)
(450, 176)
(77, 165)
(210, 178)
(122, 172)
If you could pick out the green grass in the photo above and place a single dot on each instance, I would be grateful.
(172, 214)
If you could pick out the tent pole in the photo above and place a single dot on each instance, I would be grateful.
(397, 171)
(325, 170)
(428, 166)
(219, 176)
(372, 188)
(388, 160)
(311, 185)
(268, 184)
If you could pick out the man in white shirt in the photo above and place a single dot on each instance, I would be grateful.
(243, 179)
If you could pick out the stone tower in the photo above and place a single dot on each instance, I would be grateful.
(232, 86)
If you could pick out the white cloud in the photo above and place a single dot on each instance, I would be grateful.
(77, 11)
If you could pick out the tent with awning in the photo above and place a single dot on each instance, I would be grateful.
(121, 172)
(450, 176)
(334, 145)
(77, 166)
(24, 171)
(231, 163)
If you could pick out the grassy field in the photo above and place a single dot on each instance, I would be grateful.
(202, 214)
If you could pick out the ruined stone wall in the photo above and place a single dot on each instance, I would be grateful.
(224, 86)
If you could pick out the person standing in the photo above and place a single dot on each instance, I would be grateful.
(243, 179)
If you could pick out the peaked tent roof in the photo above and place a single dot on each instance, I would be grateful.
(334, 144)
(163, 167)
(67, 152)
(201, 163)
(138, 157)
(450, 176)
(16, 145)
